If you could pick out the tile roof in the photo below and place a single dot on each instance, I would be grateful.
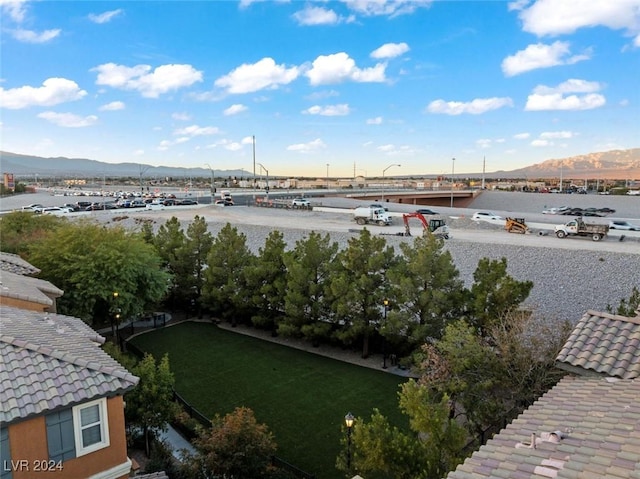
(49, 361)
(603, 343)
(26, 288)
(15, 264)
(598, 420)
(153, 475)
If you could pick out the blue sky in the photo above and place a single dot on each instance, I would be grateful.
(359, 85)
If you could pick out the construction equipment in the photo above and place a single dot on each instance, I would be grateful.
(371, 215)
(435, 226)
(516, 225)
(578, 227)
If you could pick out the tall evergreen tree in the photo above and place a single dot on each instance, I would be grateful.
(267, 279)
(360, 287)
(494, 293)
(427, 289)
(169, 240)
(225, 290)
(308, 296)
(191, 260)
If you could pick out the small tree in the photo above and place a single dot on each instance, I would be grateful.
(236, 446)
(150, 405)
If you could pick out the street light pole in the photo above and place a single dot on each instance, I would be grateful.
(384, 340)
(453, 163)
(267, 172)
(348, 420)
(213, 184)
(383, 172)
(327, 176)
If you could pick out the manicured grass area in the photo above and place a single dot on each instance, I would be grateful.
(302, 397)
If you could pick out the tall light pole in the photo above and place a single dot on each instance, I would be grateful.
(383, 172)
(453, 164)
(253, 140)
(348, 421)
(267, 172)
(327, 176)
(384, 341)
(213, 184)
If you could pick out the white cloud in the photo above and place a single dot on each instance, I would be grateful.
(181, 116)
(247, 140)
(52, 92)
(113, 106)
(390, 50)
(484, 143)
(339, 67)
(474, 107)
(29, 36)
(319, 16)
(235, 109)
(309, 147)
(374, 121)
(329, 110)
(391, 8)
(150, 83)
(393, 150)
(386, 148)
(556, 135)
(539, 143)
(68, 120)
(321, 95)
(558, 17)
(265, 73)
(540, 55)
(16, 10)
(105, 17)
(196, 130)
(521, 136)
(573, 94)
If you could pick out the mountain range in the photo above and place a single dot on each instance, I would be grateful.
(614, 164)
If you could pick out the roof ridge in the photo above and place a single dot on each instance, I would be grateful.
(118, 372)
(618, 317)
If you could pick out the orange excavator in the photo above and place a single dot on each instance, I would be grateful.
(435, 226)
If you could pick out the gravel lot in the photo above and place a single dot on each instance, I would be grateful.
(570, 276)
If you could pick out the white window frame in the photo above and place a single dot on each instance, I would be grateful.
(104, 427)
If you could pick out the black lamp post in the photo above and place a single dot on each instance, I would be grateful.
(114, 313)
(384, 340)
(348, 421)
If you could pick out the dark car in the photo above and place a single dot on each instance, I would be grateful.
(72, 207)
(101, 206)
(186, 201)
(426, 211)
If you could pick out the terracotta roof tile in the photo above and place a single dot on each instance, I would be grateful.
(600, 422)
(604, 343)
(51, 360)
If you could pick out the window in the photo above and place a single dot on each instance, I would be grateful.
(90, 426)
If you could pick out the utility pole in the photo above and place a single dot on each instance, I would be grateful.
(453, 164)
(253, 139)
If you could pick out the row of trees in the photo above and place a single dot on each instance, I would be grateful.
(317, 291)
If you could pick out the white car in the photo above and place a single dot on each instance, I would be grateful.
(297, 202)
(55, 210)
(155, 206)
(623, 225)
(487, 216)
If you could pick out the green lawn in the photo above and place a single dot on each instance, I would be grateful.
(302, 397)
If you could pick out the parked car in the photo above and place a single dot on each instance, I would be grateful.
(72, 207)
(186, 201)
(301, 202)
(487, 216)
(224, 202)
(155, 206)
(55, 210)
(32, 207)
(623, 225)
(426, 211)
(101, 206)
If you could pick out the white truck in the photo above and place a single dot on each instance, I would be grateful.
(371, 215)
(578, 227)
